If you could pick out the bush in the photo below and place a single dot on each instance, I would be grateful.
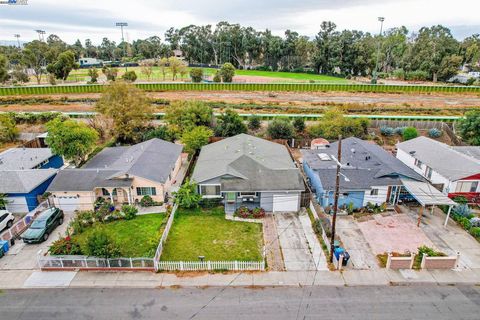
(129, 212)
(187, 196)
(387, 131)
(99, 244)
(464, 222)
(196, 74)
(299, 124)
(93, 74)
(417, 75)
(475, 231)
(410, 133)
(242, 212)
(434, 133)
(130, 76)
(227, 72)
(460, 200)
(147, 201)
(280, 128)
(399, 74)
(399, 130)
(254, 122)
(208, 203)
(217, 77)
(65, 246)
(258, 213)
(462, 210)
(426, 250)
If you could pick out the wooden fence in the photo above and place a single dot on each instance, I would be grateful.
(211, 265)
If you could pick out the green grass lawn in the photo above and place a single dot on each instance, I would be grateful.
(138, 237)
(207, 233)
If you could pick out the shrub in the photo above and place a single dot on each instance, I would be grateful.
(147, 201)
(417, 75)
(130, 76)
(187, 196)
(280, 128)
(460, 199)
(254, 122)
(93, 74)
(243, 212)
(464, 223)
(129, 212)
(462, 210)
(475, 231)
(434, 133)
(103, 211)
(399, 130)
(227, 72)
(99, 244)
(427, 250)
(299, 124)
(208, 203)
(258, 213)
(65, 246)
(217, 77)
(399, 74)
(475, 222)
(387, 131)
(410, 133)
(196, 74)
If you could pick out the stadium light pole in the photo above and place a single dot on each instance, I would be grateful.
(121, 25)
(375, 77)
(16, 35)
(40, 34)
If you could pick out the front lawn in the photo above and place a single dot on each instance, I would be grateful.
(199, 232)
(138, 237)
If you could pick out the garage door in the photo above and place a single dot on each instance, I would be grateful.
(17, 204)
(285, 202)
(68, 203)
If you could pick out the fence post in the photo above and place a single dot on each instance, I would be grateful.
(61, 261)
(422, 265)
(181, 265)
(86, 263)
(458, 259)
(108, 262)
(389, 260)
(412, 260)
(236, 265)
(209, 265)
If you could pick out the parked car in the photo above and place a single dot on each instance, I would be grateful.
(6, 219)
(43, 225)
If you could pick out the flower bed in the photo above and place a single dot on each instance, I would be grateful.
(245, 213)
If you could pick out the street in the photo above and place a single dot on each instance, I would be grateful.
(409, 302)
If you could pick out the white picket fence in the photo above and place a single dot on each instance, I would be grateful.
(158, 252)
(211, 265)
(84, 263)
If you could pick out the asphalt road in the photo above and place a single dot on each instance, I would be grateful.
(413, 302)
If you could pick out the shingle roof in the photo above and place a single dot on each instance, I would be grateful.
(257, 164)
(86, 180)
(23, 158)
(365, 164)
(471, 151)
(23, 181)
(447, 161)
(153, 159)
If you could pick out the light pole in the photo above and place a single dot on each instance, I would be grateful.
(121, 25)
(16, 35)
(41, 34)
(374, 78)
(335, 201)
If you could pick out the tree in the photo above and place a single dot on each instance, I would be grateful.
(183, 116)
(160, 132)
(174, 65)
(129, 109)
(162, 63)
(334, 123)
(227, 72)
(129, 76)
(70, 139)
(63, 65)
(280, 128)
(3, 69)
(100, 244)
(410, 133)
(217, 77)
(196, 138)
(147, 70)
(196, 74)
(254, 122)
(34, 57)
(299, 124)
(19, 75)
(8, 130)
(229, 124)
(93, 74)
(449, 67)
(187, 196)
(469, 128)
(110, 73)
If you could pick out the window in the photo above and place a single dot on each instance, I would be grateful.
(106, 193)
(146, 191)
(428, 173)
(210, 190)
(418, 163)
(3, 217)
(374, 192)
(247, 194)
(466, 186)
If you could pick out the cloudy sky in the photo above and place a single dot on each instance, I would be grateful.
(95, 19)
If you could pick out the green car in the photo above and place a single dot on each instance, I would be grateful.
(43, 225)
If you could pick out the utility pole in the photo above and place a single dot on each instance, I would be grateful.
(121, 25)
(335, 201)
(16, 35)
(374, 79)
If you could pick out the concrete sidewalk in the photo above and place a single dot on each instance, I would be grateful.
(18, 279)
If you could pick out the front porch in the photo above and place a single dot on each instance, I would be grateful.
(118, 196)
(235, 200)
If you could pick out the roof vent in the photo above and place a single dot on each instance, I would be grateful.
(324, 157)
(412, 152)
(353, 150)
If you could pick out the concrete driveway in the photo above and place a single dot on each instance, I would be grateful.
(300, 247)
(24, 256)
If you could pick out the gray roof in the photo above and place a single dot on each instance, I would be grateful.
(23, 181)
(471, 151)
(23, 158)
(86, 180)
(247, 163)
(365, 164)
(447, 161)
(153, 159)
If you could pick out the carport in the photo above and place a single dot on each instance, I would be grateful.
(427, 195)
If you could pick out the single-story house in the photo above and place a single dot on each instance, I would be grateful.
(25, 174)
(121, 175)
(369, 174)
(455, 171)
(248, 171)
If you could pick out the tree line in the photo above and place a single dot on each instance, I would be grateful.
(431, 53)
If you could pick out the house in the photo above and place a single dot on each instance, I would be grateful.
(25, 174)
(247, 171)
(121, 175)
(453, 170)
(369, 174)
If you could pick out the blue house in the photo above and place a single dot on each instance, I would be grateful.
(25, 174)
(369, 174)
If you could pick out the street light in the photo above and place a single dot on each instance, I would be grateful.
(374, 78)
(121, 25)
(16, 35)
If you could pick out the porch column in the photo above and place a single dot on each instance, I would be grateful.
(420, 213)
(448, 216)
(129, 196)
(111, 195)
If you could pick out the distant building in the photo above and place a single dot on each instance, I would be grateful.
(90, 62)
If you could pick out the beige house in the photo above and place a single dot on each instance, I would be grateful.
(121, 175)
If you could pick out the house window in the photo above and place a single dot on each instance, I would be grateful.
(210, 190)
(374, 192)
(418, 163)
(428, 173)
(247, 194)
(106, 193)
(146, 191)
(466, 186)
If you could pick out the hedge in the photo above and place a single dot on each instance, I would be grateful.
(307, 87)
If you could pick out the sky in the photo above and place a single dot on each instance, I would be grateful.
(94, 19)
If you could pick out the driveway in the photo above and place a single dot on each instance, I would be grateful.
(24, 256)
(300, 247)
